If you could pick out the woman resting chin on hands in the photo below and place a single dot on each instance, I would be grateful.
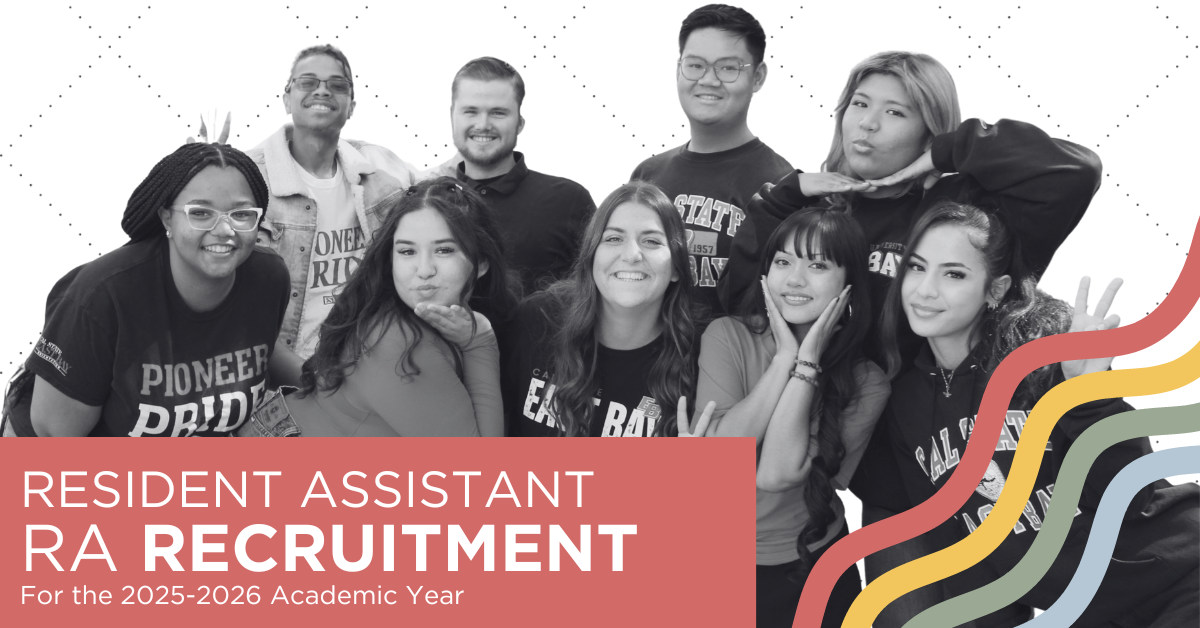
(790, 373)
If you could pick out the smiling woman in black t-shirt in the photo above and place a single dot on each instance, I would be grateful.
(169, 335)
(604, 351)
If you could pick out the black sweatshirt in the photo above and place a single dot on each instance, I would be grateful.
(930, 435)
(711, 190)
(1040, 184)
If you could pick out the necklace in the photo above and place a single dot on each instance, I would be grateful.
(946, 379)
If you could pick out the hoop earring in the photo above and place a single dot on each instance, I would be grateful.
(991, 307)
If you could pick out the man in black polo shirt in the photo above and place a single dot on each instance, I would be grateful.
(712, 177)
(540, 217)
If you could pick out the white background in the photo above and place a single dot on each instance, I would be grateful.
(96, 93)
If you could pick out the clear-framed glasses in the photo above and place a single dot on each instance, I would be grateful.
(727, 70)
(336, 84)
(203, 218)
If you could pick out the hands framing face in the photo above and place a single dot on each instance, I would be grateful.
(818, 336)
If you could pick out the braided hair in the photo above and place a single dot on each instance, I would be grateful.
(171, 174)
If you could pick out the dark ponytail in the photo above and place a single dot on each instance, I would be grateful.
(1023, 314)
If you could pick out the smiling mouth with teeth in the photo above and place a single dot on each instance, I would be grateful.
(320, 107)
(630, 276)
(219, 248)
(796, 300)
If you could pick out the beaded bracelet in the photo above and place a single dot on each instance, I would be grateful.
(815, 367)
(805, 378)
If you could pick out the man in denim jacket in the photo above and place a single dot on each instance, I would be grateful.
(328, 196)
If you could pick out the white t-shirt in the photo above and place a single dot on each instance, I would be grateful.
(338, 247)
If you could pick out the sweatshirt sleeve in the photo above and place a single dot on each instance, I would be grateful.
(1042, 185)
(773, 203)
(433, 403)
(481, 375)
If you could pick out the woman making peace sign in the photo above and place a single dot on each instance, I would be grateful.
(963, 288)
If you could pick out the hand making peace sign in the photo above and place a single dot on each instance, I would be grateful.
(701, 423)
(1095, 321)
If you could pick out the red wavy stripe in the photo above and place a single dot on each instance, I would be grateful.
(937, 509)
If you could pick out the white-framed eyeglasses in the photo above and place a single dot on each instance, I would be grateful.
(204, 218)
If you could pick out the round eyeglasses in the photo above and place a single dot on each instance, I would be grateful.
(203, 218)
(336, 85)
(727, 70)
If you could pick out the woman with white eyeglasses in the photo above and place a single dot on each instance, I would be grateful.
(171, 334)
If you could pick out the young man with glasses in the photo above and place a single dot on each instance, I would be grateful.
(327, 196)
(539, 216)
(712, 177)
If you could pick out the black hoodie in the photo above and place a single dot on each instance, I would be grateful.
(930, 434)
(1040, 184)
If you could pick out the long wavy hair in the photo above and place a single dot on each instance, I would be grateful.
(1024, 313)
(368, 304)
(836, 237)
(929, 87)
(576, 302)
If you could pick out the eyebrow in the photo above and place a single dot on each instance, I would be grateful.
(314, 75)
(442, 241)
(946, 265)
(646, 232)
(886, 102)
(705, 59)
(496, 108)
(209, 204)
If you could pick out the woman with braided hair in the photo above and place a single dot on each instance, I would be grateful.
(169, 335)
(408, 348)
(790, 372)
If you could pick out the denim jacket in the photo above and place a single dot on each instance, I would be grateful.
(377, 179)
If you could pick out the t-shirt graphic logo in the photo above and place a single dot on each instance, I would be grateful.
(703, 243)
(50, 352)
(650, 409)
(992, 482)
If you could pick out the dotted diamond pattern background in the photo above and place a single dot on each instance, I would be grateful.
(98, 92)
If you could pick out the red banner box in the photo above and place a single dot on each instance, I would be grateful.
(545, 532)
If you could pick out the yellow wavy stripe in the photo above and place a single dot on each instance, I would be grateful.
(1045, 414)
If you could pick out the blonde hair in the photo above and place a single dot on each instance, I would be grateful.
(926, 82)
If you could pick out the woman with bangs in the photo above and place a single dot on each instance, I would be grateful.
(790, 372)
(602, 352)
(964, 290)
(407, 349)
(899, 147)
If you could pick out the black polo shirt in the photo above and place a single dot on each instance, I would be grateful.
(540, 219)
